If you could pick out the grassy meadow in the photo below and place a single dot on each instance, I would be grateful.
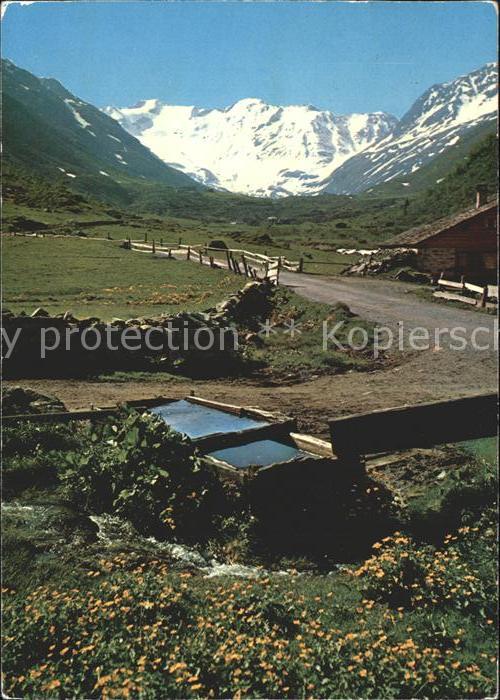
(99, 278)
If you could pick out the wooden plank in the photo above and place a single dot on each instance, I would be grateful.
(227, 407)
(312, 444)
(449, 296)
(451, 284)
(422, 425)
(84, 414)
(493, 290)
(473, 288)
(60, 417)
(218, 441)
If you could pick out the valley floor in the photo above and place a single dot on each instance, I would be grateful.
(407, 378)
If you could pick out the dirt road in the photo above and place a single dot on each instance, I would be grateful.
(385, 302)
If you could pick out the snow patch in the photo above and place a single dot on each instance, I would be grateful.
(114, 138)
(120, 158)
(70, 174)
(477, 107)
(81, 121)
(103, 172)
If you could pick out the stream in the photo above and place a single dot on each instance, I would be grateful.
(52, 527)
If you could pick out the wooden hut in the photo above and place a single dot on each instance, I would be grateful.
(464, 244)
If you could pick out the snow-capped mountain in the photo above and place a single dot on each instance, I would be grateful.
(442, 116)
(253, 147)
(260, 149)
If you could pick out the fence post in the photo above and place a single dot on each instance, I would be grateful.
(228, 256)
(201, 257)
(266, 270)
(145, 238)
(129, 243)
(211, 258)
(153, 247)
(180, 240)
(188, 253)
(484, 297)
(462, 281)
(278, 271)
(301, 265)
(245, 266)
(170, 253)
(161, 242)
(109, 236)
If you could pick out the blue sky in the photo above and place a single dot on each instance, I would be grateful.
(346, 57)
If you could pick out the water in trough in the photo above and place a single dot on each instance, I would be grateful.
(195, 420)
(261, 453)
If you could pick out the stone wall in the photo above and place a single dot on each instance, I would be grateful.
(63, 345)
(436, 260)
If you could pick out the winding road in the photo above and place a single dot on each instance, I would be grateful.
(387, 303)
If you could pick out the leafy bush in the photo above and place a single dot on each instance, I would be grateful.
(467, 490)
(404, 573)
(136, 467)
(33, 453)
(30, 437)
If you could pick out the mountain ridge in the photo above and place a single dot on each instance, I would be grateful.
(437, 120)
(252, 147)
(53, 132)
(309, 150)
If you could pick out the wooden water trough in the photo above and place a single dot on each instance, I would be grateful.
(244, 441)
(264, 441)
(239, 441)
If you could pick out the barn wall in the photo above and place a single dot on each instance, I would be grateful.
(476, 234)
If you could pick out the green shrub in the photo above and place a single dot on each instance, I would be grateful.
(31, 437)
(403, 573)
(467, 491)
(136, 467)
(34, 452)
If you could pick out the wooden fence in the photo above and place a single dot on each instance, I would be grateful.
(242, 262)
(485, 296)
(422, 425)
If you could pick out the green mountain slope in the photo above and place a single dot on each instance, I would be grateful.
(59, 136)
(434, 173)
(457, 190)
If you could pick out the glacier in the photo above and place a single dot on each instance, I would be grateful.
(253, 147)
